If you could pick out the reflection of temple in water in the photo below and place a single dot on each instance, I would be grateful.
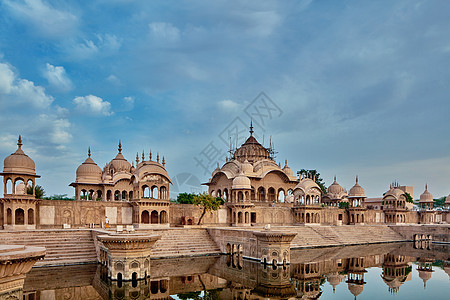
(232, 277)
(396, 271)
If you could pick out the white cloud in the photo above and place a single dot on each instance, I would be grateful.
(43, 18)
(102, 44)
(164, 31)
(19, 91)
(57, 77)
(113, 79)
(228, 105)
(93, 105)
(128, 102)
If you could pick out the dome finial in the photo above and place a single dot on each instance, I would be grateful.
(334, 178)
(356, 178)
(157, 157)
(120, 147)
(285, 162)
(426, 186)
(137, 158)
(143, 156)
(251, 127)
(19, 142)
(89, 151)
(150, 155)
(164, 161)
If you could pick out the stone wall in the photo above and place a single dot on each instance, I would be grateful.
(188, 210)
(440, 233)
(80, 214)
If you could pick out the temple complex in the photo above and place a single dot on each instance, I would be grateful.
(255, 188)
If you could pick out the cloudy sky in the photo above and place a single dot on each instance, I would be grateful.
(349, 87)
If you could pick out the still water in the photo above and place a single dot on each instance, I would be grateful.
(382, 271)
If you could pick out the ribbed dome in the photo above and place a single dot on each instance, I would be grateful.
(306, 185)
(288, 171)
(335, 188)
(394, 192)
(119, 162)
(356, 190)
(89, 172)
(19, 162)
(426, 196)
(241, 182)
(246, 167)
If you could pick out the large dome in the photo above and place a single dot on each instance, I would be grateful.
(426, 196)
(19, 162)
(356, 190)
(251, 150)
(89, 172)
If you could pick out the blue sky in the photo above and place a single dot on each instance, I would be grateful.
(361, 87)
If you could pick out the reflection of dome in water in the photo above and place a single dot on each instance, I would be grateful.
(334, 279)
(425, 275)
(355, 289)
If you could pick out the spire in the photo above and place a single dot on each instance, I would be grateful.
(19, 143)
(120, 147)
(89, 151)
(143, 156)
(334, 178)
(137, 158)
(157, 157)
(150, 155)
(164, 161)
(426, 186)
(356, 178)
(251, 128)
(285, 162)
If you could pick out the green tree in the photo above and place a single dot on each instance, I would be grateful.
(185, 198)
(343, 204)
(208, 202)
(409, 198)
(316, 175)
(39, 191)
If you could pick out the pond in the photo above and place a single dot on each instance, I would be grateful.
(380, 271)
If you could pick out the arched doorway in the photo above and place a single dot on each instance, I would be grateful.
(30, 216)
(163, 217)
(19, 217)
(154, 217)
(145, 218)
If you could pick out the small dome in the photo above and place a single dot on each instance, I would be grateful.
(288, 171)
(246, 167)
(306, 186)
(335, 188)
(241, 182)
(394, 192)
(89, 172)
(19, 162)
(119, 163)
(355, 289)
(356, 190)
(426, 196)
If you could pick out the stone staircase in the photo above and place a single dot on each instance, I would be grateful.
(183, 242)
(321, 236)
(64, 247)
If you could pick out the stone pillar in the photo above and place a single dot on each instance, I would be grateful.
(273, 247)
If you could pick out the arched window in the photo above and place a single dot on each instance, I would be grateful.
(155, 192)
(281, 195)
(99, 195)
(261, 194)
(163, 193)
(9, 186)
(145, 191)
(117, 195)
(130, 195)
(108, 195)
(240, 196)
(240, 217)
(124, 195)
(271, 194)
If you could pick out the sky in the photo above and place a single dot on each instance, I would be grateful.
(346, 87)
